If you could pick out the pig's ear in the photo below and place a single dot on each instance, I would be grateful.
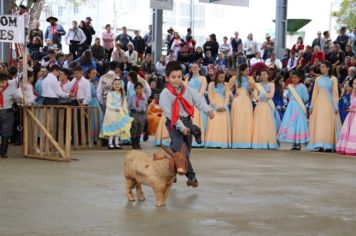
(183, 149)
(168, 151)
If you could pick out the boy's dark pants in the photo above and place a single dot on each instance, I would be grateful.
(6, 128)
(138, 124)
(177, 140)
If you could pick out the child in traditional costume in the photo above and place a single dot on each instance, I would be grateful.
(197, 82)
(218, 129)
(242, 109)
(347, 140)
(177, 102)
(265, 117)
(294, 127)
(154, 114)
(324, 122)
(117, 122)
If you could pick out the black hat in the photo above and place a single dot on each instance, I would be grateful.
(89, 18)
(23, 7)
(212, 36)
(52, 18)
(170, 30)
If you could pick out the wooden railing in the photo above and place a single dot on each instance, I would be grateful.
(50, 132)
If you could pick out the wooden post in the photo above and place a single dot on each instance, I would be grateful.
(68, 131)
(25, 132)
(75, 127)
(82, 127)
(90, 127)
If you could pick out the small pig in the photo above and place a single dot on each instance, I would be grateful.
(158, 172)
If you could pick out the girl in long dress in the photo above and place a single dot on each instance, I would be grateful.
(324, 122)
(264, 122)
(347, 140)
(218, 129)
(242, 109)
(162, 135)
(197, 82)
(117, 122)
(154, 114)
(294, 127)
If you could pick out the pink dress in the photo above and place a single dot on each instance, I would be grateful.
(347, 139)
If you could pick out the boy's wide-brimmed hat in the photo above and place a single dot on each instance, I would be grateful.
(52, 18)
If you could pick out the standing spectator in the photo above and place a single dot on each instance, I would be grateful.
(268, 47)
(177, 44)
(161, 71)
(326, 43)
(118, 54)
(139, 44)
(80, 92)
(105, 82)
(108, 39)
(225, 47)
(250, 46)
(38, 85)
(342, 39)
(131, 54)
(169, 38)
(298, 45)
(235, 42)
(98, 53)
(124, 38)
(89, 31)
(75, 38)
(148, 40)
(317, 40)
(51, 88)
(336, 58)
(189, 33)
(54, 31)
(353, 40)
(212, 46)
(68, 63)
(36, 32)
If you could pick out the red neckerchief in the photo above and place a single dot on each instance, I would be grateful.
(74, 89)
(139, 97)
(175, 110)
(54, 29)
(1, 95)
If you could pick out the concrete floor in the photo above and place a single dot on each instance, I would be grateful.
(244, 192)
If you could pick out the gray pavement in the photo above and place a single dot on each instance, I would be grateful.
(241, 192)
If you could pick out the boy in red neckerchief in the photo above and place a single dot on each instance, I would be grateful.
(8, 95)
(178, 102)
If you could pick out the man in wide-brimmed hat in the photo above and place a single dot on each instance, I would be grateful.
(23, 11)
(54, 31)
(169, 38)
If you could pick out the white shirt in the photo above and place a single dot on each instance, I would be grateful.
(291, 65)
(75, 35)
(132, 57)
(161, 69)
(250, 46)
(277, 62)
(67, 86)
(84, 90)
(28, 94)
(255, 60)
(51, 88)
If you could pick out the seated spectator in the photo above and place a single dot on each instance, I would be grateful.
(274, 61)
(221, 62)
(125, 65)
(170, 56)
(292, 62)
(26, 91)
(68, 62)
(61, 58)
(348, 51)
(336, 57)
(154, 114)
(305, 61)
(154, 89)
(186, 54)
(285, 58)
(256, 59)
(317, 54)
(298, 46)
(131, 54)
(149, 68)
(49, 59)
(208, 59)
(118, 54)
(198, 54)
(86, 61)
(98, 53)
